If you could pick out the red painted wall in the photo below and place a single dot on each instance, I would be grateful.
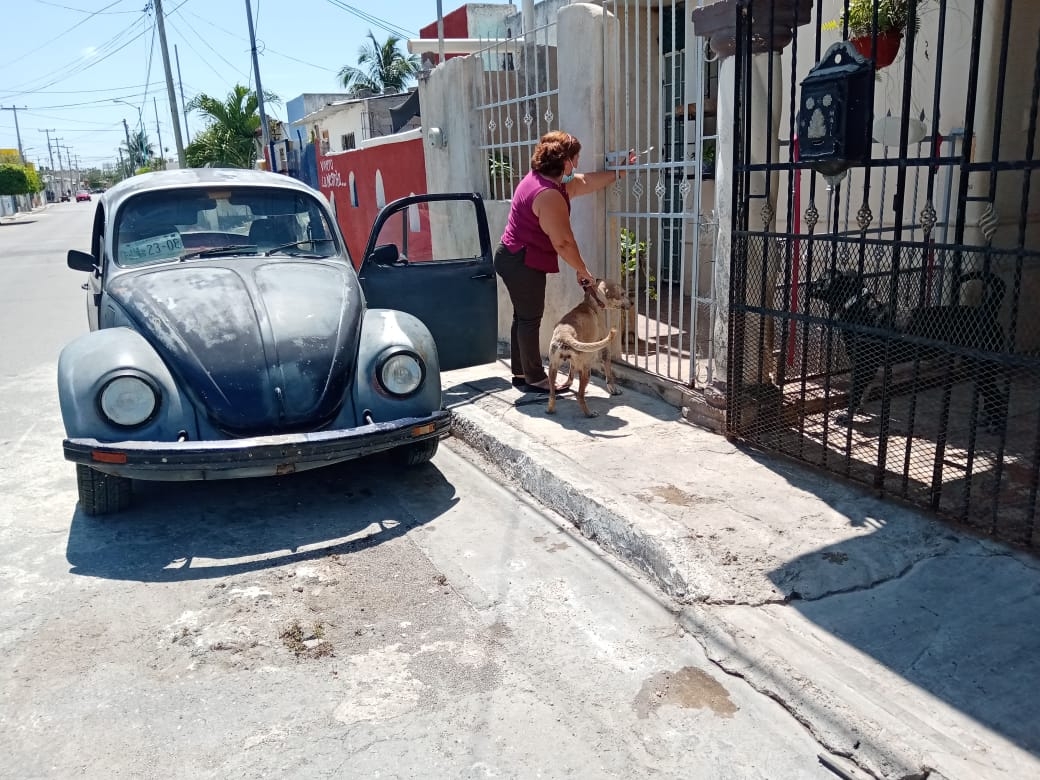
(456, 25)
(403, 169)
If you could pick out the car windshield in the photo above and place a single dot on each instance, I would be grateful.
(199, 222)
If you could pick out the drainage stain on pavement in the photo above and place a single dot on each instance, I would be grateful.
(689, 688)
(670, 494)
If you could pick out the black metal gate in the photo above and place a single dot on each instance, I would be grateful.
(886, 249)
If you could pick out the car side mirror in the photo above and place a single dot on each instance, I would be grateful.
(81, 261)
(385, 254)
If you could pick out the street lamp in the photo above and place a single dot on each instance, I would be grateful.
(126, 131)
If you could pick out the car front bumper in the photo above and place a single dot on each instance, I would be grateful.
(252, 457)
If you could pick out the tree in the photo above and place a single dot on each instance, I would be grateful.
(140, 150)
(231, 139)
(382, 68)
(18, 180)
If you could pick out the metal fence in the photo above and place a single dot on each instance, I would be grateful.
(881, 317)
(521, 89)
(661, 220)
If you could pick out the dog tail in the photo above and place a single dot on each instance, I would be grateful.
(588, 346)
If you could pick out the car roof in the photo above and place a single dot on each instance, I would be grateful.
(201, 177)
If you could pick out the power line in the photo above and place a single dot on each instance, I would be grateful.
(77, 66)
(383, 24)
(266, 49)
(21, 57)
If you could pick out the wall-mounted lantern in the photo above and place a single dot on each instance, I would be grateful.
(835, 111)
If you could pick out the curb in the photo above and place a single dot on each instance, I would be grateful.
(873, 744)
(601, 512)
(653, 548)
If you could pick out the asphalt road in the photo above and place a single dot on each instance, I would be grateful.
(356, 621)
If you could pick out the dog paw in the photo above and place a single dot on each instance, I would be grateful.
(613, 389)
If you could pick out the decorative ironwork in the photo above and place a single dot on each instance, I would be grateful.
(928, 218)
(767, 213)
(864, 217)
(911, 365)
(989, 222)
(812, 216)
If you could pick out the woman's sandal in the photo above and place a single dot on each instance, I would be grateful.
(528, 388)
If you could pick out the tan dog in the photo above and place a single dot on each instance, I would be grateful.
(578, 340)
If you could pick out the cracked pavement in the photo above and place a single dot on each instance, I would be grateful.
(903, 644)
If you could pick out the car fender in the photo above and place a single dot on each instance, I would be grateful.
(89, 361)
(382, 331)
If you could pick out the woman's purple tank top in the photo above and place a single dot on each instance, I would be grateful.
(522, 229)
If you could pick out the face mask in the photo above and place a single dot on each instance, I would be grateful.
(567, 178)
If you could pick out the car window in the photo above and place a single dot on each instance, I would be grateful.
(168, 225)
(435, 231)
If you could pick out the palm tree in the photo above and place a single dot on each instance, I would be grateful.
(382, 68)
(140, 151)
(231, 139)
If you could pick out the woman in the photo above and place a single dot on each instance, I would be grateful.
(537, 233)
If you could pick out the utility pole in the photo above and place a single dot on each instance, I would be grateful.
(158, 132)
(17, 132)
(174, 117)
(264, 129)
(129, 154)
(50, 154)
(68, 160)
(180, 85)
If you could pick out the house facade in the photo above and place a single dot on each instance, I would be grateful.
(730, 213)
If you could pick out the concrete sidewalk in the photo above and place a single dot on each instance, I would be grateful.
(904, 645)
(21, 216)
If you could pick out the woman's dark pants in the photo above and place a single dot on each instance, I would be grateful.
(526, 288)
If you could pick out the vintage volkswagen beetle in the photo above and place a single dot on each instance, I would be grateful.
(231, 336)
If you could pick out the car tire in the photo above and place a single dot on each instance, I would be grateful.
(415, 454)
(100, 493)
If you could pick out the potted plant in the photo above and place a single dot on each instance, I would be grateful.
(635, 266)
(893, 17)
(708, 159)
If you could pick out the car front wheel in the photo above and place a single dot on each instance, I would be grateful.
(415, 454)
(101, 494)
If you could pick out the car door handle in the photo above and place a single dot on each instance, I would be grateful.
(483, 276)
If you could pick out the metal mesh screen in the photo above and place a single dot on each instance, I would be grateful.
(881, 321)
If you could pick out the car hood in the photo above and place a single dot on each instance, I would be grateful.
(263, 346)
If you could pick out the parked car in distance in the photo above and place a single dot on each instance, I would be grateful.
(65, 197)
(82, 195)
(231, 336)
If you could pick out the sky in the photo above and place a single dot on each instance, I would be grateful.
(66, 64)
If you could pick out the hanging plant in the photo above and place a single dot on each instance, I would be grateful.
(893, 17)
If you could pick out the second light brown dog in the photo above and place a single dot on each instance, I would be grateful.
(578, 339)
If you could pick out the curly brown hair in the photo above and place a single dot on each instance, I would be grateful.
(553, 151)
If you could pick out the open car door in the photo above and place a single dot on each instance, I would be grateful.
(431, 256)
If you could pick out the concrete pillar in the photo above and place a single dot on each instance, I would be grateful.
(584, 84)
(451, 126)
(765, 144)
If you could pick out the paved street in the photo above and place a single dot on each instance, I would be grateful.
(349, 622)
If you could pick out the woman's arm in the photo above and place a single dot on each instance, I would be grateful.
(587, 183)
(554, 219)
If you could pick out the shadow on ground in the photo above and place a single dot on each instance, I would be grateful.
(958, 620)
(200, 530)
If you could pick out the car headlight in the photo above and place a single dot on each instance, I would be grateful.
(402, 373)
(128, 401)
